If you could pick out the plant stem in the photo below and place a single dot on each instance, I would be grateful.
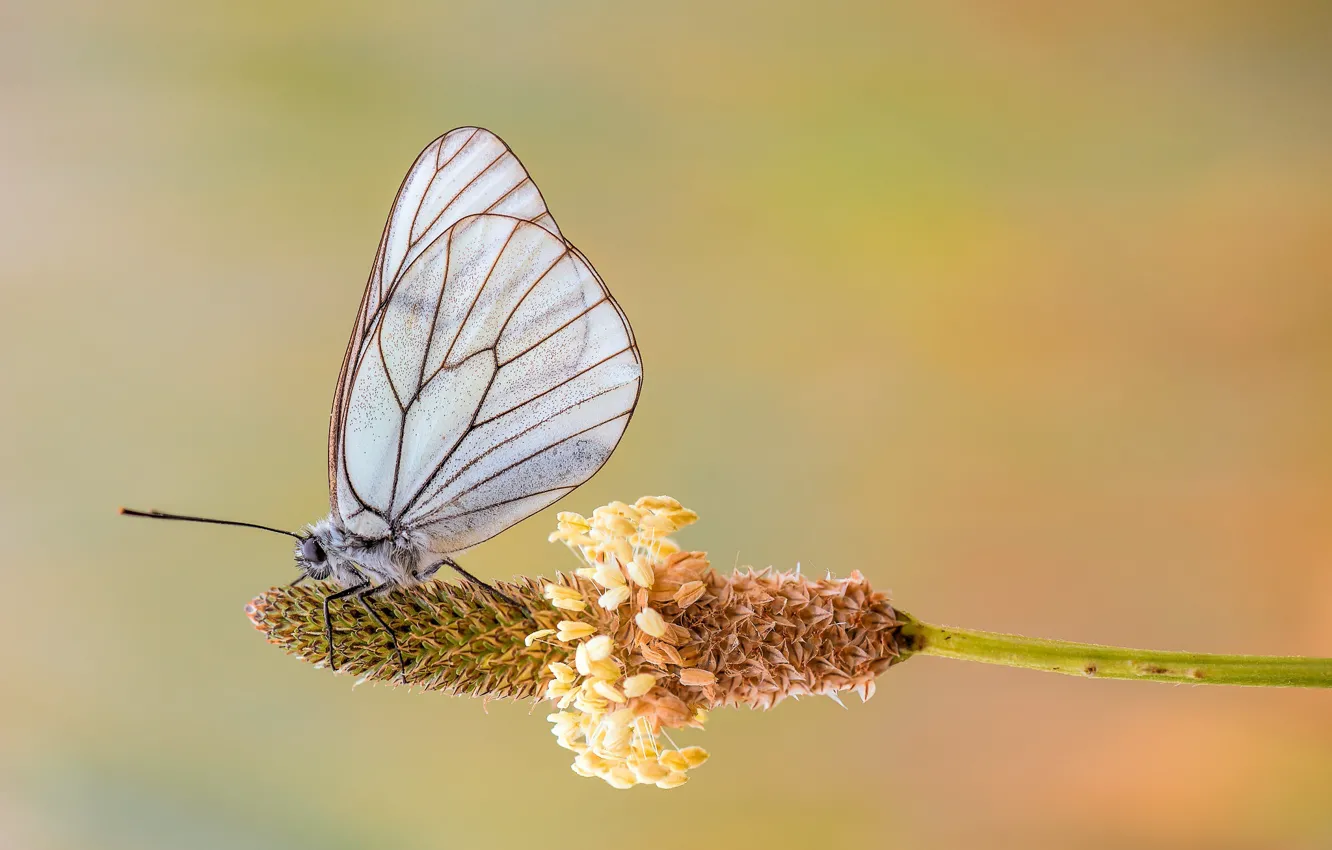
(1111, 662)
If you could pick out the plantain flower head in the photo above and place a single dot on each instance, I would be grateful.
(642, 638)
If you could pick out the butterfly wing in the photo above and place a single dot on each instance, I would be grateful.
(492, 374)
(465, 171)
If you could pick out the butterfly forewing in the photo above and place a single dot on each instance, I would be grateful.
(466, 171)
(489, 373)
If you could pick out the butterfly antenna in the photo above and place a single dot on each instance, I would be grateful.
(183, 518)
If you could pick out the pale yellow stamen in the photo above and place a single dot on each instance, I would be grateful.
(684, 517)
(619, 777)
(636, 686)
(614, 598)
(573, 630)
(675, 780)
(673, 760)
(537, 635)
(658, 522)
(565, 598)
(649, 772)
(641, 572)
(610, 721)
(619, 549)
(591, 762)
(651, 622)
(608, 691)
(558, 689)
(623, 717)
(660, 548)
(615, 744)
(571, 519)
(568, 736)
(657, 503)
(604, 669)
(562, 672)
(617, 525)
(590, 702)
(608, 576)
(600, 647)
(620, 508)
(559, 591)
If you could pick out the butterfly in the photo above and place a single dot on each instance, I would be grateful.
(489, 373)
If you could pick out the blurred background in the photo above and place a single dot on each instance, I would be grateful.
(1023, 309)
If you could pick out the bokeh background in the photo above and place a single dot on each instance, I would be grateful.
(1023, 309)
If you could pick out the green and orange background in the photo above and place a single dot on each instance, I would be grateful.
(1022, 309)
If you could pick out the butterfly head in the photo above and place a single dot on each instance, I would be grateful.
(312, 558)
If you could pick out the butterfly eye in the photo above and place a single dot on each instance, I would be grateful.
(311, 551)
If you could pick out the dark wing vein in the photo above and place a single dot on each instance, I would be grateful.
(552, 389)
(351, 485)
(433, 177)
(462, 436)
(528, 457)
(543, 341)
(480, 290)
(502, 502)
(383, 361)
(471, 425)
(506, 320)
(434, 319)
(458, 194)
(514, 188)
(474, 461)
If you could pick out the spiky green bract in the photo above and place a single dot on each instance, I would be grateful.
(456, 638)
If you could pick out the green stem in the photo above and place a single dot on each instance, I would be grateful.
(1112, 662)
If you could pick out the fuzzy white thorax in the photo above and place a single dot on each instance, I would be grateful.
(404, 559)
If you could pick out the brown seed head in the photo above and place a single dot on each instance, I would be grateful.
(644, 637)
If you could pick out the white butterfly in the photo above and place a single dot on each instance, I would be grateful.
(489, 373)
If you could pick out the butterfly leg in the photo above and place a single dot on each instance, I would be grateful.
(328, 621)
(452, 564)
(364, 598)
